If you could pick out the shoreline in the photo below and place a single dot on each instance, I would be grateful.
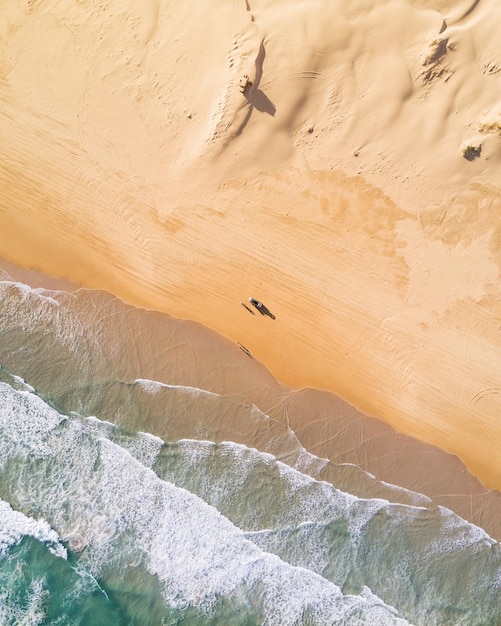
(325, 425)
(341, 296)
(365, 218)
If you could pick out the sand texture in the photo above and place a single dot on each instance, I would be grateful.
(353, 188)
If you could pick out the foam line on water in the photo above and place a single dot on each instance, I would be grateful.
(30, 310)
(23, 384)
(142, 446)
(303, 517)
(244, 458)
(154, 387)
(25, 292)
(29, 422)
(15, 525)
(25, 289)
(308, 463)
(310, 523)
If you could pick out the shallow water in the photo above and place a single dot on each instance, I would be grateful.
(104, 523)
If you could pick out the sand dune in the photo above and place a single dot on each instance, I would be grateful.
(354, 188)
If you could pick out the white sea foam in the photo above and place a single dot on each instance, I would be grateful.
(154, 387)
(150, 386)
(121, 512)
(304, 515)
(15, 525)
(26, 422)
(307, 463)
(298, 456)
(116, 511)
(415, 498)
(144, 447)
(43, 293)
(31, 310)
(308, 498)
(170, 524)
(460, 535)
(23, 384)
(95, 426)
(30, 612)
(26, 290)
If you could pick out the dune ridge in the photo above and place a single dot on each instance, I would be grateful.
(353, 189)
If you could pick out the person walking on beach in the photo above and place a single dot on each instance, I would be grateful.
(256, 304)
(261, 308)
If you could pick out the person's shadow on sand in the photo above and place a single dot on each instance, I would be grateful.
(260, 101)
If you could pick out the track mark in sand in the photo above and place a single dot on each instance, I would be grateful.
(307, 74)
(247, 8)
(83, 108)
(229, 107)
(223, 115)
(468, 11)
(150, 21)
(31, 5)
(486, 432)
(254, 99)
(485, 392)
(491, 68)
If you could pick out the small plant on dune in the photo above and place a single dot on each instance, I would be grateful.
(470, 152)
(438, 50)
(434, 62)
(490, 127)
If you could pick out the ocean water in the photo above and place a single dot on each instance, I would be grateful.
(104, 522)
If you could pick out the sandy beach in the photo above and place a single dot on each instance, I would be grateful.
(353, 188)
(353, 451)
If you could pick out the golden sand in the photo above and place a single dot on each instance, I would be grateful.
(354, 189)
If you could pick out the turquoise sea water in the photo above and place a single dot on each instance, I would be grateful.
(104, 523)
